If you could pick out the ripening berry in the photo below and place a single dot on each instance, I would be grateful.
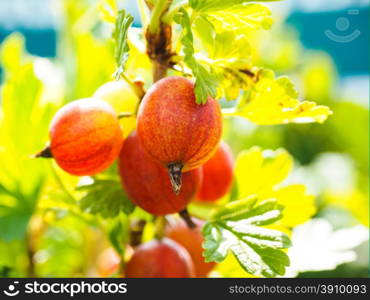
(108, 262)
(85, 137)
(175, 130)
(191, 239)
(146, 181)
(160, 259)
(123, 99)
(217, 175)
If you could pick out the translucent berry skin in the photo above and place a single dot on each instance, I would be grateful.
(217, 175)
(85, 137)
(160, 259)
(123, 99)
(173, 128)
(108, 262)
(146, 181)
(191, 240)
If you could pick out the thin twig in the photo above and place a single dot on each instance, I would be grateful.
(139, 91)
(184, 214)
(160, 226)
(125, 115)
(136, 233)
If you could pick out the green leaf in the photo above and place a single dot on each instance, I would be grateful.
(235, 210)
(5, 271)
(123, 23)
(265, 213)
(230, 50)
(114, 236)
(205, 81)
(260, 236)
(105, 197)
(271, 100)
(6, 191)
(13, 224)
(217, 5)
(205, 32)
(221, 46)
(119, 234)
(220, 60)
(236, 228)
(216, 244)
(24, 118)
(260, 261)
(227, 54)
(242, 18)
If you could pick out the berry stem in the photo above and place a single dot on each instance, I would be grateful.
(171, 12)
(125, 115)
(184, 214)
(30, 255)
(136, 233)
(45, 153)
(137, 87)
(174, 171)
(160, 226)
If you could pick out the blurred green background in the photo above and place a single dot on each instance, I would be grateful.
(63, 51)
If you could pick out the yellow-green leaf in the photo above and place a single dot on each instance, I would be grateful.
(23, 129)
(108, 10)
(257, 172)
(260, 174)
(241, 18)
(274, 101)
(299, 206)
(237, 228)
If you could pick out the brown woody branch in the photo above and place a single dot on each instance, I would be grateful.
(159, 41)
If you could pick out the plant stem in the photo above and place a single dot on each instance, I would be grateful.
(30, 254)
(158, 36)
(136, 233)
(143, 12)
(160, 226)
(168, 16)
(155, 20)
(139, 91)
(159, 70)
(45, 153)
(184, 214)
(71, 199)
(125, 115)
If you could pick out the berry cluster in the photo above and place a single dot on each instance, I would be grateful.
(174, 156)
